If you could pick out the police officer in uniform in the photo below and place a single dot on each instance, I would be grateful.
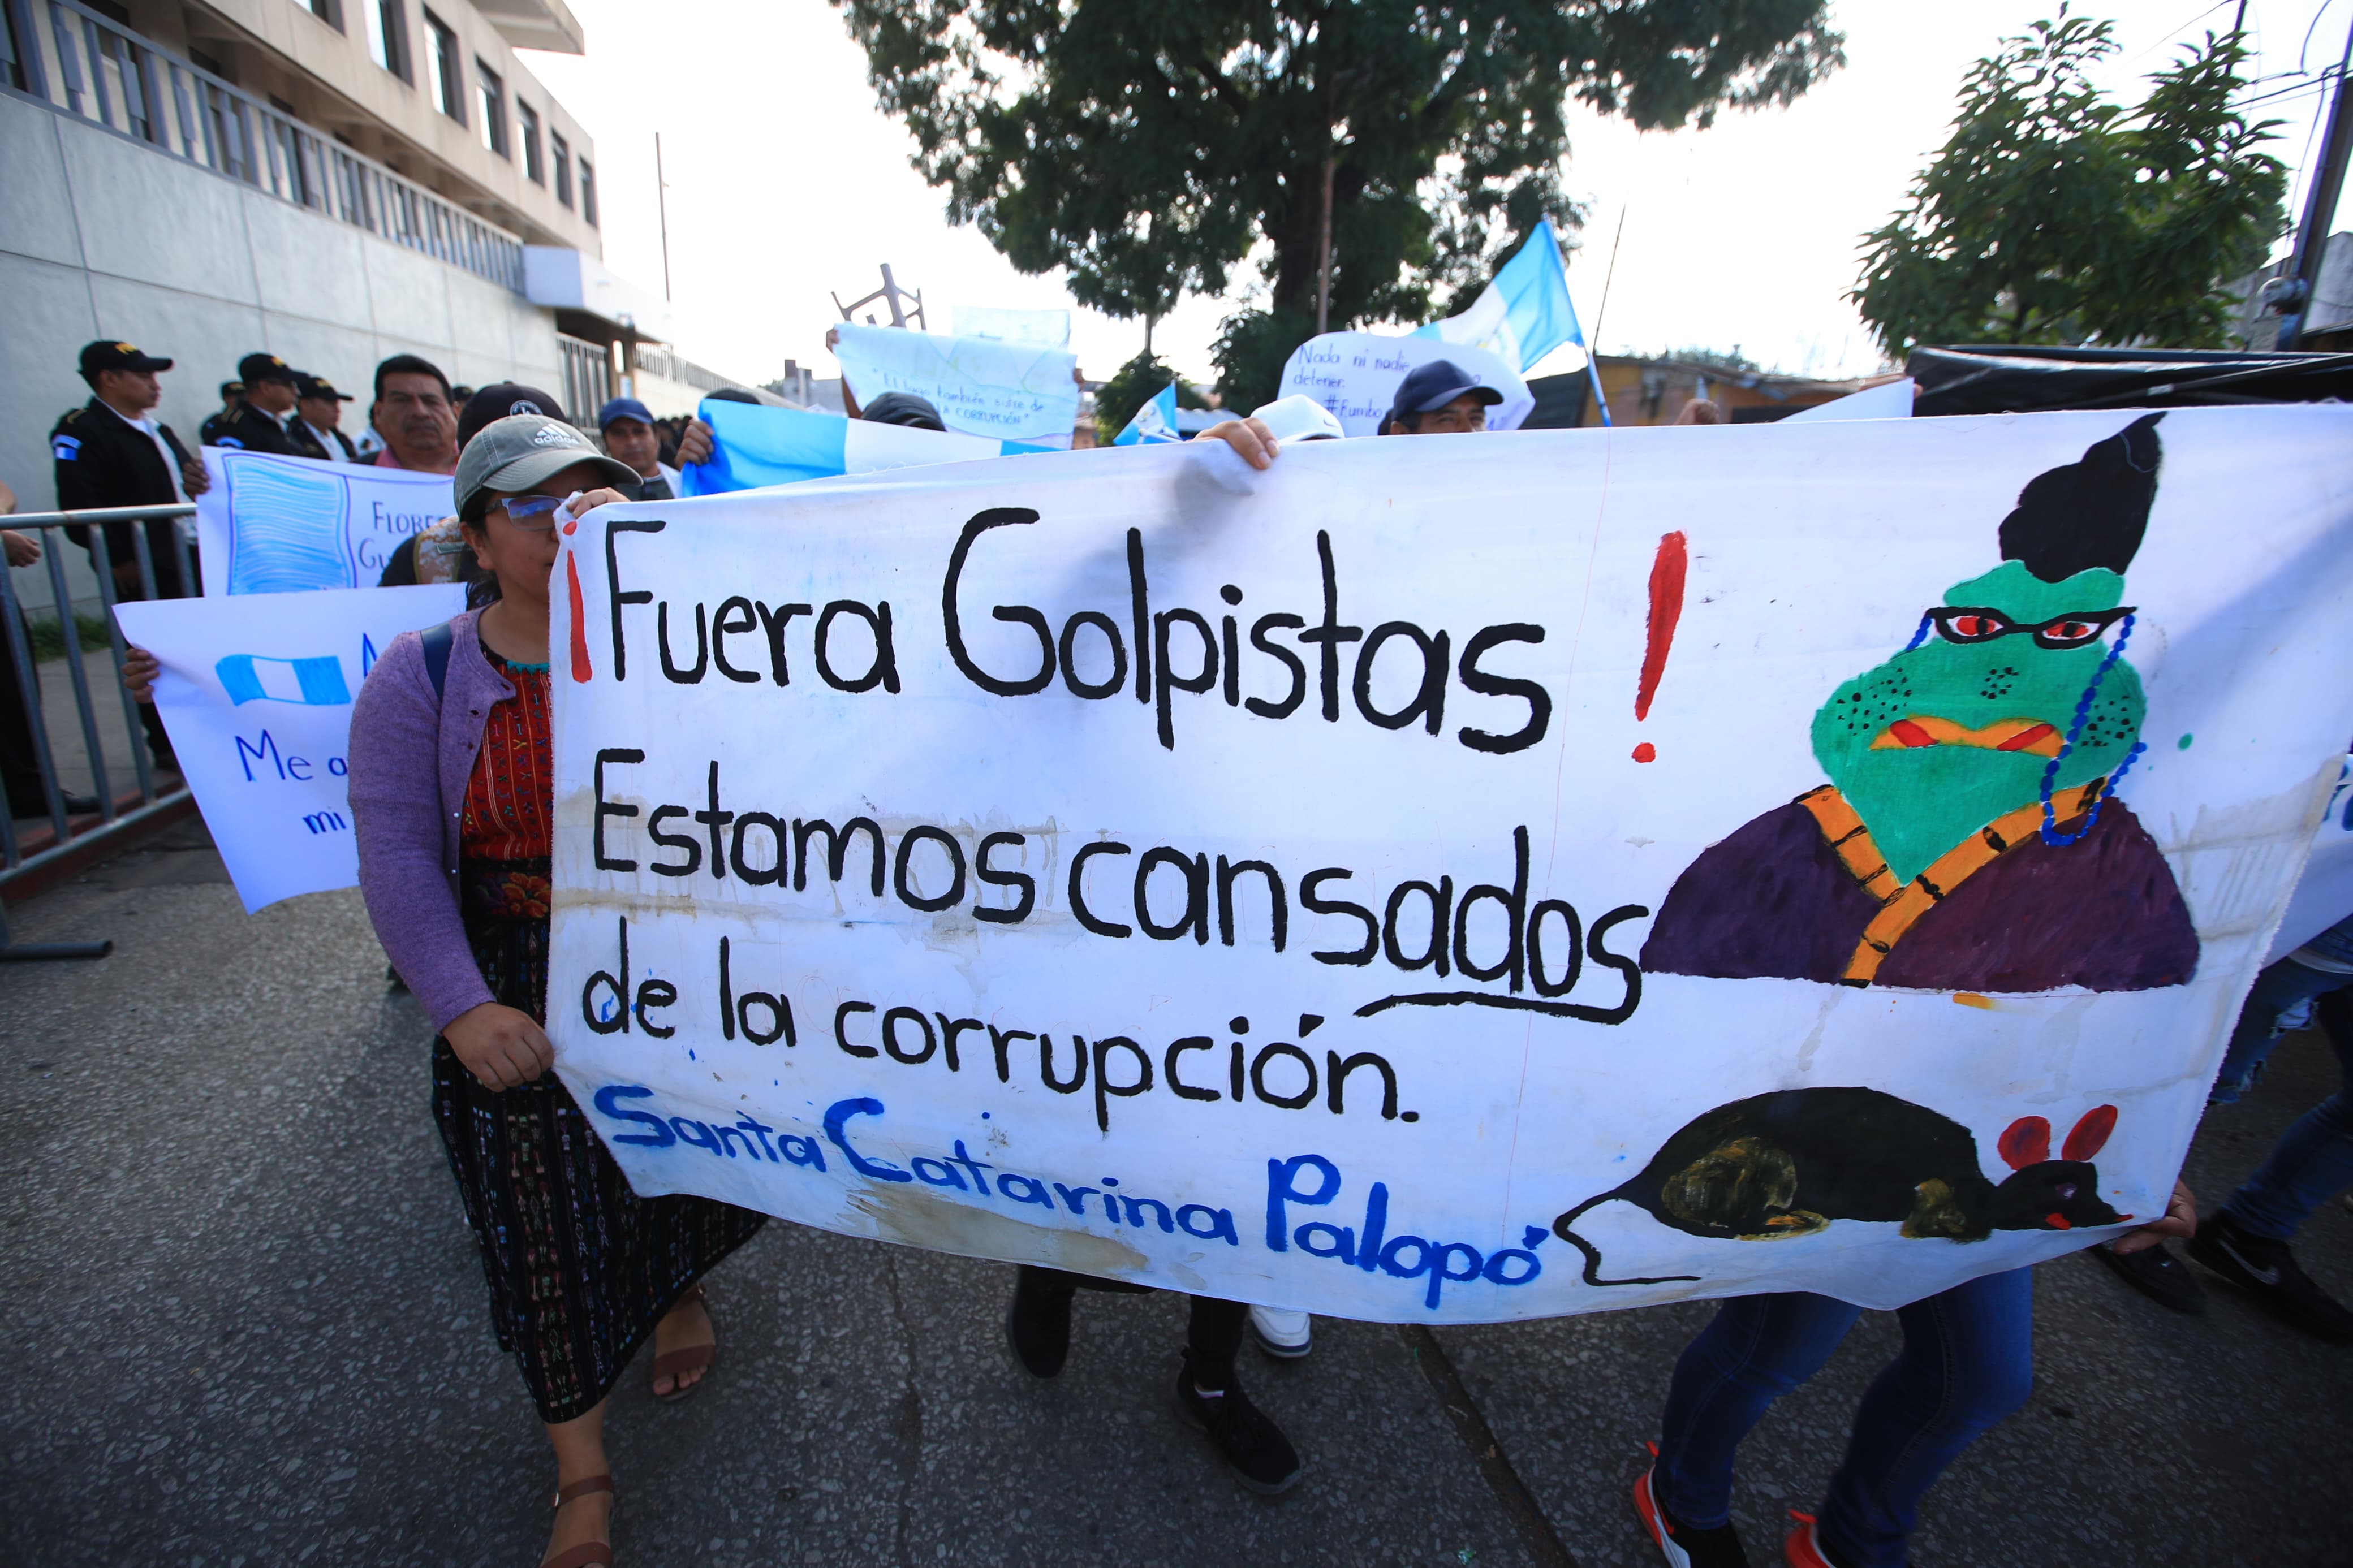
(112, 452)
(319, 410)
(263, 419)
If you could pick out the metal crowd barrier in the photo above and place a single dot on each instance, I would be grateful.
(122, 813)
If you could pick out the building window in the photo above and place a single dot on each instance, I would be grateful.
(388, 35)
(588, 193)
(560, 153)
(494, 108)
(330, 12)
(534, 168)
(441, 69)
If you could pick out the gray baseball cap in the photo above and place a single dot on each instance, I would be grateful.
(515, 454)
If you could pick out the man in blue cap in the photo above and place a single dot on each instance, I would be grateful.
(1439, 399)
(1435, 399)
(628, 428)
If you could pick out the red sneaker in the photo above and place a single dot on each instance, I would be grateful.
(1681, 1545)
(1804, 1548)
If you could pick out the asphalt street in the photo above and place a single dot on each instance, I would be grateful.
(244, 1325)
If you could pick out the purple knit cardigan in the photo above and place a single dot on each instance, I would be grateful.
(411, 755)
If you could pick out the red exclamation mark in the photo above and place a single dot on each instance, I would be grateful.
(1666, 608)
(581, 670)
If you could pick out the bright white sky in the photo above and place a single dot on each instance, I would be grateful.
(787, 183)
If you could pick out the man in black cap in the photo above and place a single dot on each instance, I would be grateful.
(319, 413)
(903, 408)
(440, 554)
(111, 452)
(264, 411)
(230, 391)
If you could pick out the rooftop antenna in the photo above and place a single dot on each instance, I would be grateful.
(891, 295)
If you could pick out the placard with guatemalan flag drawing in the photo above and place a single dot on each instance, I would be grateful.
(1454, 877)
(272, 524)
(255, 692)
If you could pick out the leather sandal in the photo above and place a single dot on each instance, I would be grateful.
(691, 1358)
(588, 1553)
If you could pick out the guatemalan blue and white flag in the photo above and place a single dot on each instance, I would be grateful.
(1154, 424)
(757, 445)
(1525, 313)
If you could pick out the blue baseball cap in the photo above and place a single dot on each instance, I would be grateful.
(626, 408)
(1434, 385)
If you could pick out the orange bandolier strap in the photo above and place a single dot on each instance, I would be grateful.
(1902, 905)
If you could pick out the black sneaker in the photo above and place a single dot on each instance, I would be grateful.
(1261, 1457)
(75, 804)
(2156, 1274)
(2268, 1269)
(1038, 1325)
(1680, 1544)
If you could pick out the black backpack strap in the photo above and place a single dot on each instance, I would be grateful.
(437, 641)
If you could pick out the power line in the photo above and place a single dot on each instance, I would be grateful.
(2317, 16)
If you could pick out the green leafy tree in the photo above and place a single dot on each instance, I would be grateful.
(1137, 381)
(2054, 216)
(1149, 147)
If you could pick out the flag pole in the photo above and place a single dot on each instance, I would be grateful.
(1593, 349)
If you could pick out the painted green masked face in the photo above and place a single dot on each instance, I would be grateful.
(1958, 729)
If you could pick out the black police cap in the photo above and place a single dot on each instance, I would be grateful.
(267, 367)
(109, 355)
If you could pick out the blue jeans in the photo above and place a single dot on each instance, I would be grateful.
(2313, 1160)
(2281, 993)
(1967, 1362)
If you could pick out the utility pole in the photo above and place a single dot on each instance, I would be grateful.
(2291, 293)
(1324, 282)
(662, 203)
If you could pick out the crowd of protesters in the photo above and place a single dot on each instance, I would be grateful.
(451, 795)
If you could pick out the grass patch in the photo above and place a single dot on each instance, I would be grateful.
(48, 637)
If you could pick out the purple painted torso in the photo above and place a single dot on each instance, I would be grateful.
(1772, 900)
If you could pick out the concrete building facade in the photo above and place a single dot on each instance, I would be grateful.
(332, 182)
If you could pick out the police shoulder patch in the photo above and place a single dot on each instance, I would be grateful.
(229, 441)
(65, 449)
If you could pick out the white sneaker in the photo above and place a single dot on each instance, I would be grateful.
(1287, 1335)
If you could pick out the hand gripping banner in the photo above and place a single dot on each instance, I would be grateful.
(1460, 877)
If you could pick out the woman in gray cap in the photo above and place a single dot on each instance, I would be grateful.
(452, 801)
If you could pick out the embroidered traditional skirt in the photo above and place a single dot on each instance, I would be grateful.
(580, 1268)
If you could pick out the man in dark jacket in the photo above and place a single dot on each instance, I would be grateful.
(110, 453)
(319, 408)
(263, 419)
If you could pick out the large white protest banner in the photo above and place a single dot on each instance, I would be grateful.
(1454, 878)
(279, 525)
(257, 697)
(1011, 391)
(1356, 375)
(2325, 895)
